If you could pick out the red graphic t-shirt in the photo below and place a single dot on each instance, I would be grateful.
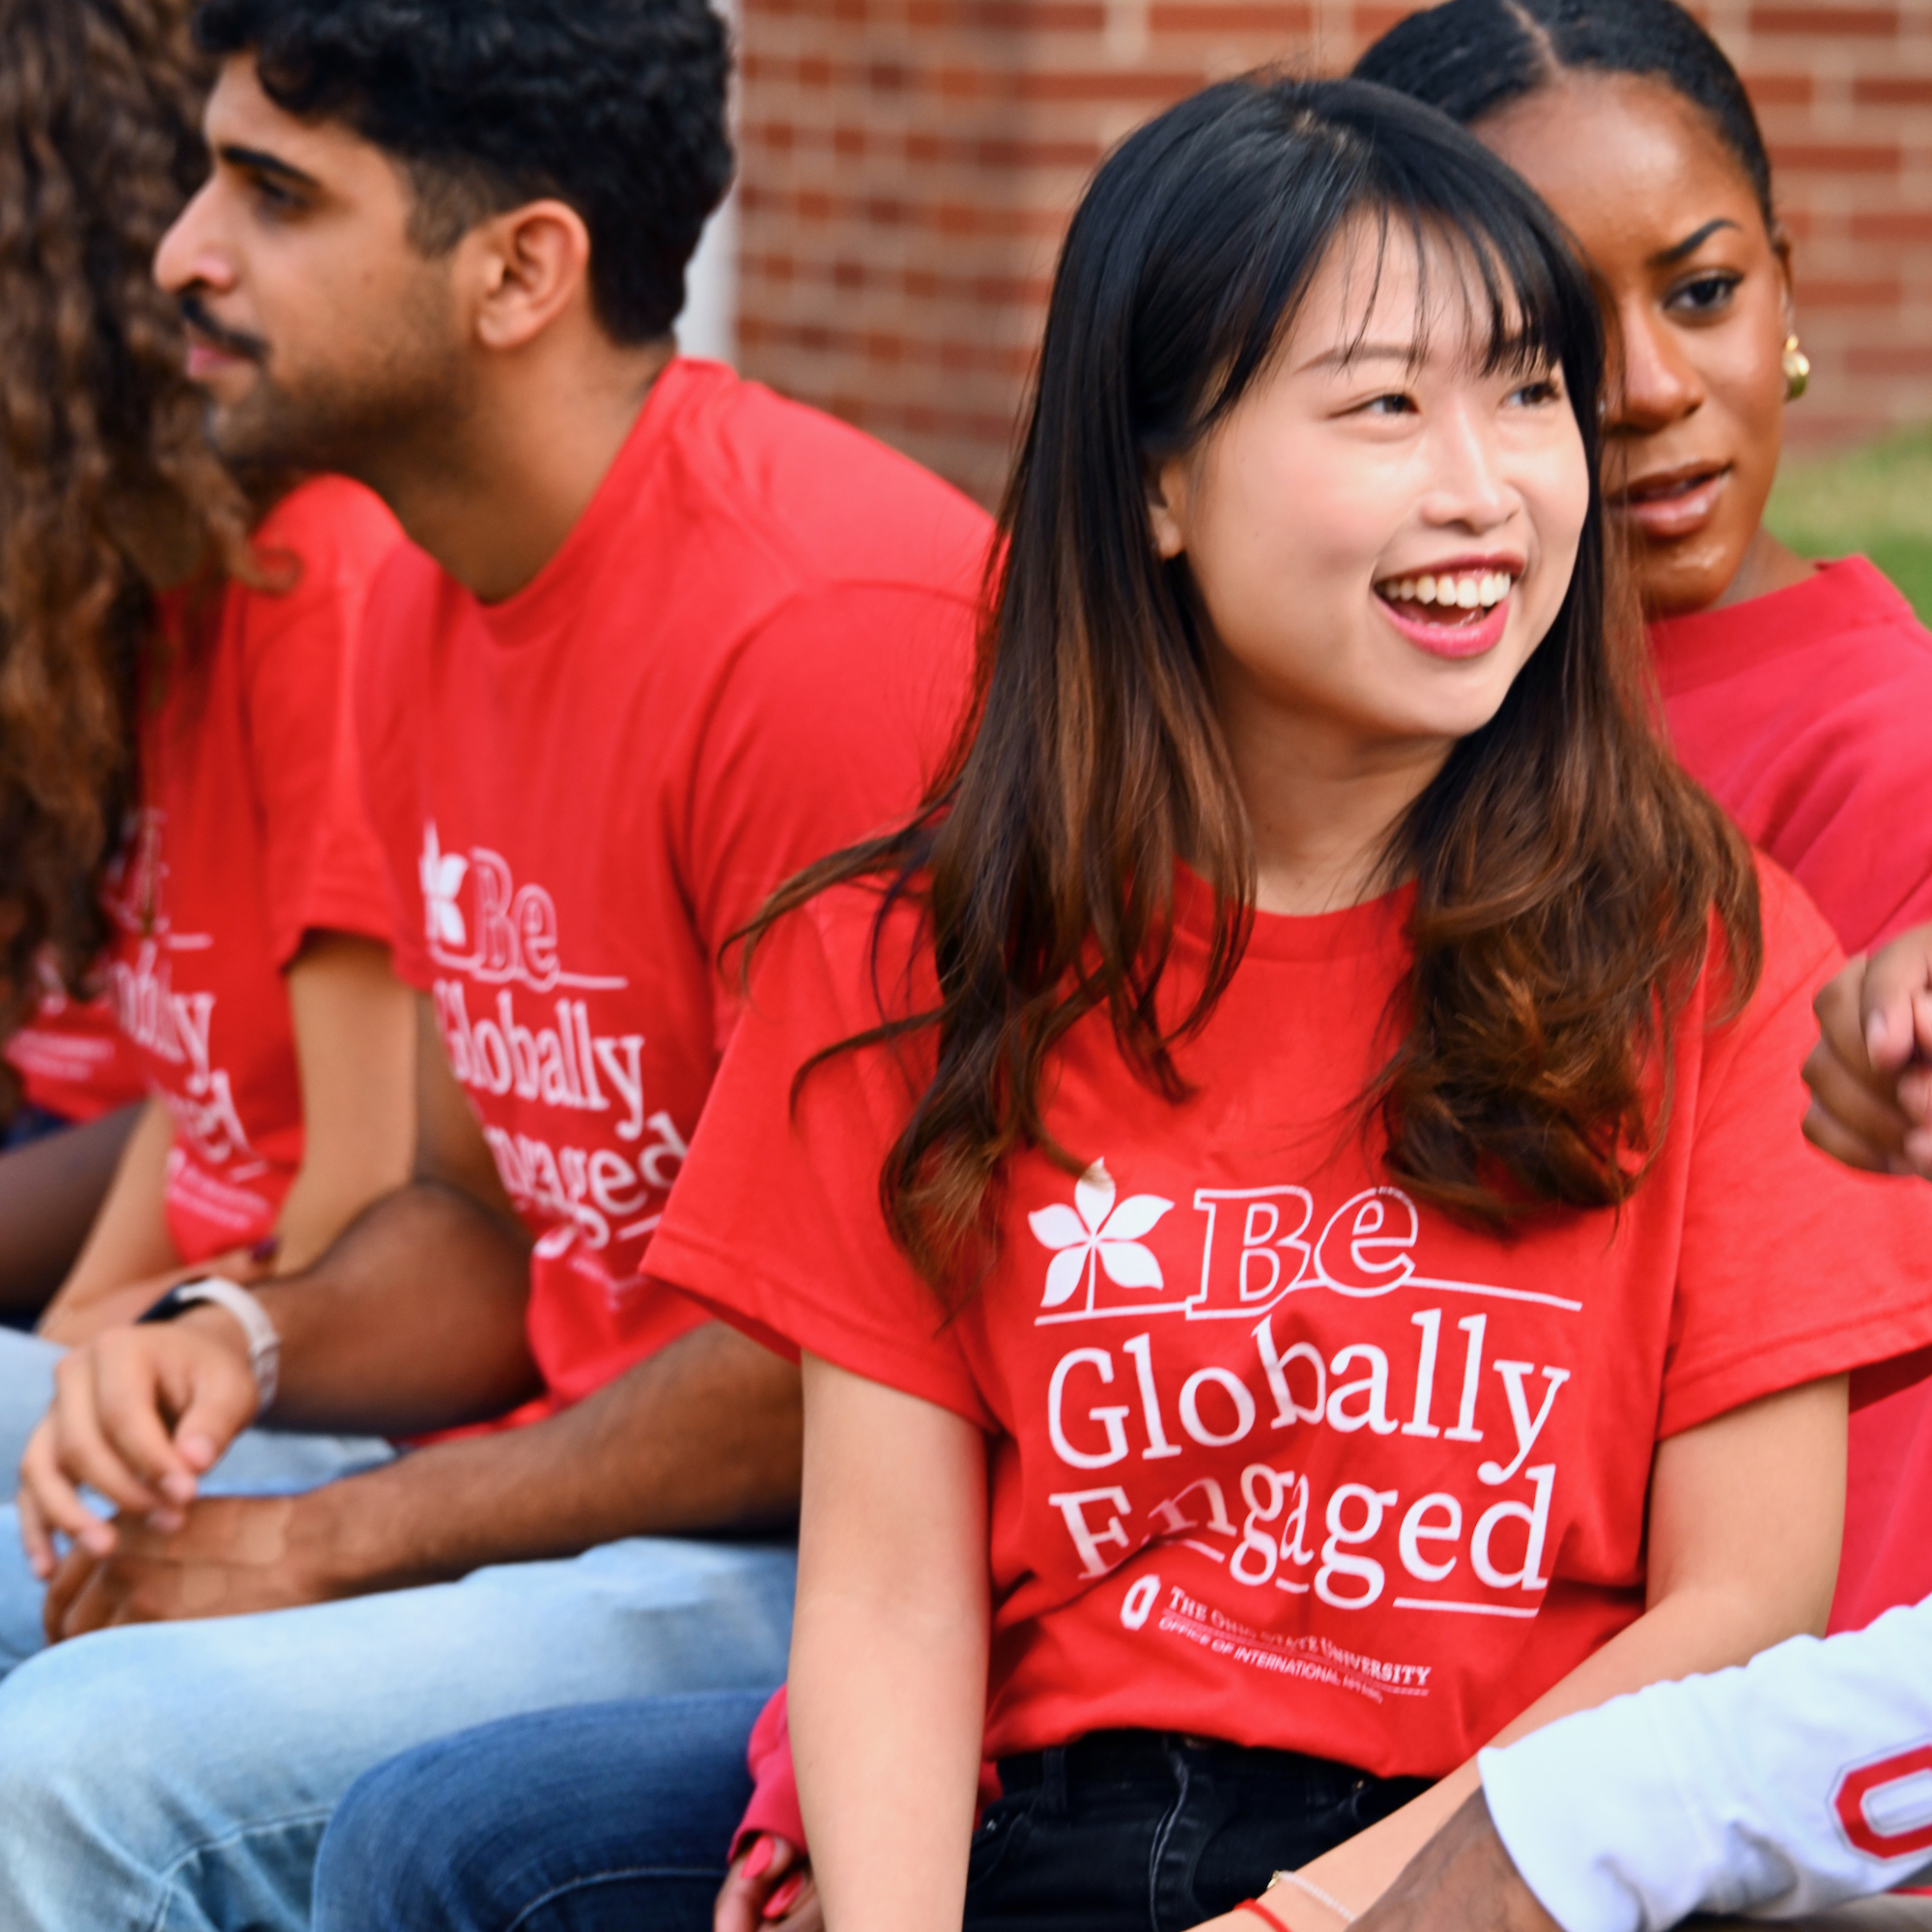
(1804, 714)
(750, 651)
(249, 833)
(1277, 1454)
(72, 1057)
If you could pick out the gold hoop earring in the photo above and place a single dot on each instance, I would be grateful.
(1797, 370)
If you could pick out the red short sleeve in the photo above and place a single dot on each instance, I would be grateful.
(1792, 1268)
(824, 730)
(324, 870)
(805, 1261)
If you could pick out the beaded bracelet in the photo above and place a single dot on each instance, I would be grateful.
(1326, 1899)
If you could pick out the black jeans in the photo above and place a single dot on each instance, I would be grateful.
(1152, 1832)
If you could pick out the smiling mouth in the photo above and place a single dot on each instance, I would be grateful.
(1454, 600)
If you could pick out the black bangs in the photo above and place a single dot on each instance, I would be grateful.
(1220, 213)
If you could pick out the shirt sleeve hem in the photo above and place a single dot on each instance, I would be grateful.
(784, 1315)
(1808, 1356)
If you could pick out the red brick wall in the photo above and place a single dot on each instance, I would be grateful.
(908, 166)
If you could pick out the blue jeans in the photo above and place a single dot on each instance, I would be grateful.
(608, 1818)
(177, 1778)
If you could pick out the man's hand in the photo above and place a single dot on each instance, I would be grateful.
(232, 1555)
(1870, 1074)
(769, 1888)
(140, 1415)
(1462, 1881)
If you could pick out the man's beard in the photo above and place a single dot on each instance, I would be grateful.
(364, 423)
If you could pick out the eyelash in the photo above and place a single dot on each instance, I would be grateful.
(1718, 287)
(1543, 390)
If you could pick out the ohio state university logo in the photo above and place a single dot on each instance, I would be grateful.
(1885, 1807)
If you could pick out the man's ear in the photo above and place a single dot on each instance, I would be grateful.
(1167, 485)
(530, 263)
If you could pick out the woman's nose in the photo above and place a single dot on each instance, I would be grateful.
(1653, 382)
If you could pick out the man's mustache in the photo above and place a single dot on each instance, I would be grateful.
(231, 341)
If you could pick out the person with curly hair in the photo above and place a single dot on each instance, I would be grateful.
(667, 637)
(181, 836)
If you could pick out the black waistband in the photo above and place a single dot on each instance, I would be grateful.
(1132, 1758)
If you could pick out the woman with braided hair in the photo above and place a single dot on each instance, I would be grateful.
(1793, 690)
(182, 844)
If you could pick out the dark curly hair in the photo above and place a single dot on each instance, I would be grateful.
(614, 106)
(99, 146)
(1474, 57)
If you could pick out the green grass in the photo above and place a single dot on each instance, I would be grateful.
(1877, 500)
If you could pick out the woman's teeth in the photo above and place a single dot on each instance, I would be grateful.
(1468, 590)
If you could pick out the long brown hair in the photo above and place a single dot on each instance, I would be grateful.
(1567, 873)
(99, 148)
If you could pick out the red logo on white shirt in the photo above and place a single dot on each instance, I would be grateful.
(1885, 1779)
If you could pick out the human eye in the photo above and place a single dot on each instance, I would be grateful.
(1703, 295)
(274, 198)
(1390, 403)
(1538, 392)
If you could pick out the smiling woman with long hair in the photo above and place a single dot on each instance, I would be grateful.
(179, 823)
(1795, 692)
(1284, 1176)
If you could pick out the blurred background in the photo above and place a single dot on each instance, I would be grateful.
(906, 168)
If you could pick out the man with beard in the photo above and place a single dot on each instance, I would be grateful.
(667, 639)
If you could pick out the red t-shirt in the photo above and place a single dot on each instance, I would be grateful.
(750, 651)
(248, 836)
(1804, 714)
(72, 1057)
(1278, 1455)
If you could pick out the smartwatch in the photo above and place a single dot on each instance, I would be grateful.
(265, 1346)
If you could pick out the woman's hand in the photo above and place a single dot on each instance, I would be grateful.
(70, 1323)
(769, 1888)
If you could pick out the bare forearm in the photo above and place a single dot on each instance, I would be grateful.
(50, 1192)
(128, 1240)
(1695, 1629)
(702, 1438)
(413, 1322)
(888, 1714)
(889, 1651)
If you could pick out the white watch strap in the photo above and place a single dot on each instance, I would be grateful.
(265, 1346)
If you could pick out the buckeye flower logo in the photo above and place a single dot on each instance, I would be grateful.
(1094, 1234)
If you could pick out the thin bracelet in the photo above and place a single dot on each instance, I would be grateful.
(1314, 1892)
(1261, 1912)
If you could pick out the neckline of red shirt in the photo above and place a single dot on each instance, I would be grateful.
(556, 593)
(1706, 647)
(1373, 926)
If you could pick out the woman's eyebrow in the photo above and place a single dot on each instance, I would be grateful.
(1349, 353)
(1691, 243)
